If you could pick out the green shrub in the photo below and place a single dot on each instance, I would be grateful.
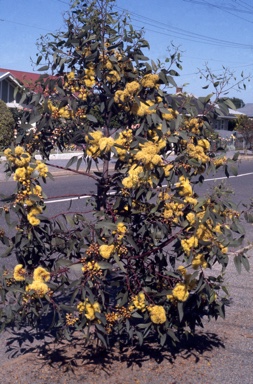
(7, 125)
(143, 266)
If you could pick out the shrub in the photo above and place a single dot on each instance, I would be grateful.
(143, 266)
(7, 125)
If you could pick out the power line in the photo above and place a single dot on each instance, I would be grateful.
(186, 35)
(222, 8)
(24, 25)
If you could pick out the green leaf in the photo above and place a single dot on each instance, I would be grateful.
(238, 264)
(72, 161)
(91, 118)
(163, 339)
(101, 337)
(180, 307)
(44, 68)
(245, 263)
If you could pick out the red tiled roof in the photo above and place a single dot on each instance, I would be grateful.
(26, 78)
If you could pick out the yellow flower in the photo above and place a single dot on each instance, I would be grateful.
(141, 109)
(197, 152)
(188, 244)
(132, 87)
(20, 174)
(199, 260)
(105, 143)
(182, 270)
(139, 301)
(121, 228)
(170, 115)
(41, 168)
(40, 288)
(134, 178)
(106, 250)
(190, 217)
(150, 80)
(89, 309)
(33, 220)
(23, 160)
(167, 168)
(41, 274)
(180, 292)
(113, 77)
(157, 314)
(19, 273)
(185, 188)
(19, 150)
(204, 144)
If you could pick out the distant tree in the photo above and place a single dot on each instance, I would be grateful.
(238, 103)
(244, 126)
(7, 124)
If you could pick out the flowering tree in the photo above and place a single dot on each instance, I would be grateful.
(143, 265)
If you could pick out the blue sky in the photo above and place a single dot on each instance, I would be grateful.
(213, 32)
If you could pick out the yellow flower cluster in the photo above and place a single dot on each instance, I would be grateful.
(41, 274)
(121, 230)
(157, 314)
(91, 266)
(106, 250)
(170, 115)
(123, 97)
(157, 137)
(122, 143)
(113, 77)
(148, 155)
(119, 314)
(89, 309)
(218, 162)
(189, 244)
(71, 319)
(194, 125)
(93, 141)
(40, 277)
(89, 78)
(139, 301)
(173, 211)
(34, 211)
(82, 94)
(191, 218)
(134, 178)
(97, 144)
(180, 292)
(105, 144)
(150, 81)
(64, 112)
(20, 158)
(26, 173)
(199, 261)
(142, 109)
(40, 288)
(19, 273)
(198, 152)
(184, 186)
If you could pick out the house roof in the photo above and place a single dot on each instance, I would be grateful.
(4, 75)
(247, 109)
(26, 78)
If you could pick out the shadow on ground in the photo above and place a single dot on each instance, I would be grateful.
(69, 356)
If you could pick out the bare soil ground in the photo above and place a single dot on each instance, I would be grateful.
(67, 364)
(220, 353)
